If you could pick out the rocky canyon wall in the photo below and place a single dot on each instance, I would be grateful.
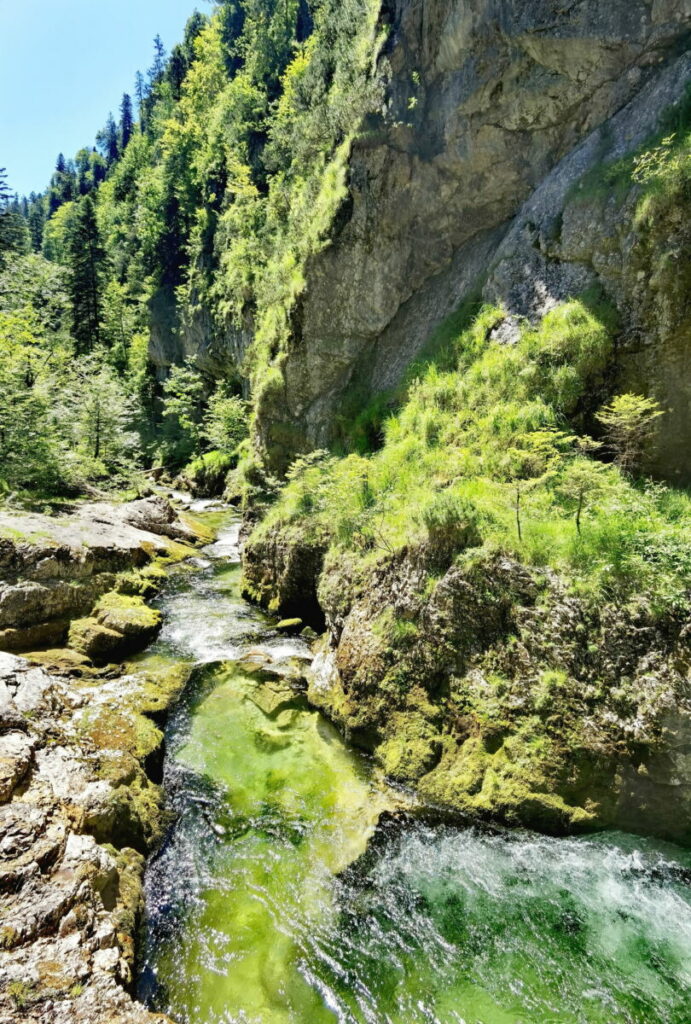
(465, 183)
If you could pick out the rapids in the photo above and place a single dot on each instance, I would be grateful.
(277, 899)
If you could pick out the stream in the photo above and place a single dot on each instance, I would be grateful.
(278, 899)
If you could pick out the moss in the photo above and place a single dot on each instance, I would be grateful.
(145, 582)
(94, 640)
(411, 746)
(128, 615)
(121, 729)
(289, 626)
(206, 476)
(514, 783)
(130, 905)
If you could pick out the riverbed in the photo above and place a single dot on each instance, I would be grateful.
(291, 889)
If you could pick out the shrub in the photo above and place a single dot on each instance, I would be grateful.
(451, 523)
(629, 421)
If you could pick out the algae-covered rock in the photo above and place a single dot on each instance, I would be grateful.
(120, 625)
(93, 639)
(129, 616)
(289, 626)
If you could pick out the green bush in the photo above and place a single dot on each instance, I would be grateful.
(451, 523)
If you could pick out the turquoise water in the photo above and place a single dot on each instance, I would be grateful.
(278, 899)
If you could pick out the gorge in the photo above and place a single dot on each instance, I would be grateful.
(345, 527)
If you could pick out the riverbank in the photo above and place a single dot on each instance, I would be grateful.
(80, 752)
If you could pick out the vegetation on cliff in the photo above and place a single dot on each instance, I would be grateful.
(490, 448)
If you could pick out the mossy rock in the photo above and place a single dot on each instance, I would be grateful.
(411, 748)
(61, 661)
(91, 638)
(129, 616)
(121, 729)
(511, 781)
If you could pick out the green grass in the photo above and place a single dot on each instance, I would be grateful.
(472, 442)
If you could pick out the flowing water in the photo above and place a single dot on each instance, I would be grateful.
(277, 899)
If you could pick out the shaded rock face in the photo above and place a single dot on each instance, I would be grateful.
(494, 110)
(281, 574)
(77, 815)
(217, 351)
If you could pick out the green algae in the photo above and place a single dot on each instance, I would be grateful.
(297, 808)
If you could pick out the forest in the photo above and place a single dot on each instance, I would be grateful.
(213, 185)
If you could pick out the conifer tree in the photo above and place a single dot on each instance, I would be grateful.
(109, 142)
(14, 234)
(63, 184)
(85, 256)
(126, 121)
(141, 93)
(36, 219)
(158, 67)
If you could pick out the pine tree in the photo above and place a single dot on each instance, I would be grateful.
(14, 233)
(36, 219)
(157, 69)
(126, 121)
(86, 268)
(141, 93)
(176, 70)
(109, 142)
(64, 186)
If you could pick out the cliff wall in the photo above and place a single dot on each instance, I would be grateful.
(465, 183)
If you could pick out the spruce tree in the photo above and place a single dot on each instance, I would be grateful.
(157, 69)
(85, 256)
(126, 121)
(141, 92)
(14, 234)
(109, 142)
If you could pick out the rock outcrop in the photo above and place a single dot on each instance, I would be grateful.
(54, 570)
(500, 695)
(80, 755)
(463, 185)
(78, 812)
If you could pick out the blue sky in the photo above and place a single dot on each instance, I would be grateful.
(63, 65)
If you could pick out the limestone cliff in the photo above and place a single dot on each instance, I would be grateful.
(465, 182)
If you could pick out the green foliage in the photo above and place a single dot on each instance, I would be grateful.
(183, 409)
(451, 525)
(226, 421)
(484, 453)
(65, 420)
(629, 421)
(86, 257)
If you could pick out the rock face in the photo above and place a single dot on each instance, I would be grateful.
(77, 815)
(462, 185)
(281, 574)
(54, 570)
(502, 696)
